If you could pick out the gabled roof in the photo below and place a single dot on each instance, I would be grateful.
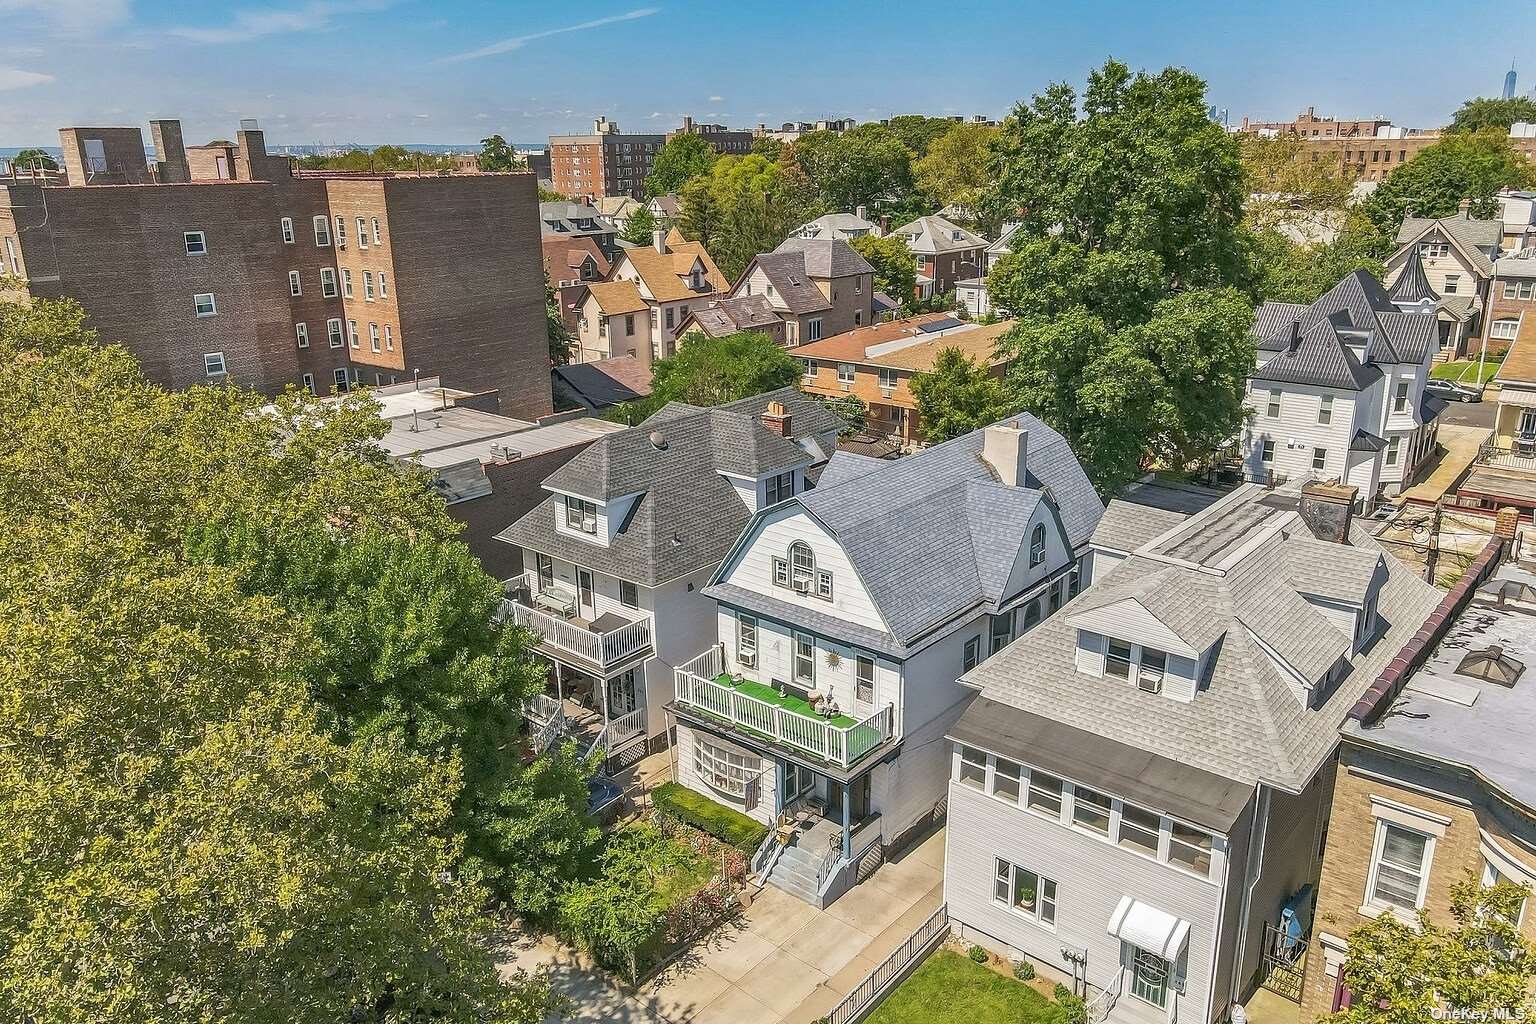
(616, 298)
(936, 234)
(827, 257)
(616, 206)
(560, 218)
(1469, 236)
(1246, 722)
(935, 534)
(1321, 357)
(727, 316)
(1392, 336)
(568, 252)
(1005, 243)
(832, 225)
(666, 274)
(1412, 285)
(686, 514)
(791, 282)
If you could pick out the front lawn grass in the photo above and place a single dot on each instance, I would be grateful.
(1464, 371)
(949, 988)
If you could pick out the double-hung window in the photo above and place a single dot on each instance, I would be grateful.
(383, 285)
(1025, 892)
(373, 337)
(389, 338)
(781, 487)
(581, 515)
(864, 678)
(1001, 632)
(810, 370)
(328, 282)
(845, 375)
(1319, 458)
(333, 332)
(629, 592)
(204, 305)
(377, 239)
(1190, 849)
(1273, 408)
(352, 333)
(362, 233)
(972, 656)
(1117, 659)
(1151, 669)
(295, 283)
(301, 332)
(805, 658)
(1037, 545)
(1006, 775)
(802, 565)
(322, 231)
(287, 228)
(824, 584)
(213, 364)
(346, 282)
(1139, 829)
(1044, 793)
(1394, 445)
(1400, 397)
(367, 286)
(1267, 452)
(746, 635)
(1401, 867)
(1090, 810)
(196, 243)
(1325, 410)
(887, 379)
(339, 375)
(544, 568)
(341, 232)
(973, 768)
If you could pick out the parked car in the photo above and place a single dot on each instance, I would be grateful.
(1454, 391)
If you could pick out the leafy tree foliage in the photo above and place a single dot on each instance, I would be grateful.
(955, 169)
(638, 227)
(1287, 189)
(918, 132)
(744, 206)
(895, 267)
(299, 505)
(768, 147)
(1399, 974)
(554, 326)
(1132, 276)
(41, 328)
(958, 396)
(680, 160)
(865, 166)
(497, 155)
(851, 410)
(713, 371)
(383, 158)
(1289, 272)
(34, 158)
(1485, 112)
(1471, 166)
(189, 834)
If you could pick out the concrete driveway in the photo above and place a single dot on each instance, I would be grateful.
(784, 961)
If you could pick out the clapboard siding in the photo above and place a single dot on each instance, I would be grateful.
(1091, 879)
(770, 537)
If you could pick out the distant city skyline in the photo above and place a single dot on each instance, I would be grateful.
(454, 71)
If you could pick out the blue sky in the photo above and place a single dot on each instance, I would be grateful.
(452, 71)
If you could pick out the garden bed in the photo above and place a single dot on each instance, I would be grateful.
(951, 988)
(693, 808)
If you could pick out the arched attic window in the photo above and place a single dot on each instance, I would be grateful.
(1037, 545)
(802, 565)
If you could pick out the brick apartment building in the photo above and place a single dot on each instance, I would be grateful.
(1366, 150)
(222, 263)
(610, 163)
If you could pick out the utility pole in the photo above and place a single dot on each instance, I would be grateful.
(1434, 544)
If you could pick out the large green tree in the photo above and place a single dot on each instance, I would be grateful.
(1485, 112)
(33, 158)
(713, 371)
(956, 168)
(638, 227)
(1294, 272)
(681, 159)
(1471, 167)
(497, 155)
(1131, 278)
(895, 266)
(865, 166)
(744, 205)
(558, 333)
(186, 833)
(918, 132)
(1478, 966)
(298, 503)
(958, 396)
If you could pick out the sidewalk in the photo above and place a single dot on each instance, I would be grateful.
(593, 995)
(1458, 450)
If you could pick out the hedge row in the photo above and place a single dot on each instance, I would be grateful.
(696, 809)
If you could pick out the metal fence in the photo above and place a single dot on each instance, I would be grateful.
(867, 992)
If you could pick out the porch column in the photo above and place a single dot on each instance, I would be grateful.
(559, 684)
(847, 829)
(603, 682)
(778, 791)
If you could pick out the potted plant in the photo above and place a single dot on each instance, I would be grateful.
(1027, 897)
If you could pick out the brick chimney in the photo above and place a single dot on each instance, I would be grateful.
(1295, 341)
(170, 152)
(776, 418)
(1328, 509)
(1506, 523)
(1006, 449)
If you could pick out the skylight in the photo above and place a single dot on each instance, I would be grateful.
(1492, 665)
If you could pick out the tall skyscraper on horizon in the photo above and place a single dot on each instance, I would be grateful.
(1509, 83)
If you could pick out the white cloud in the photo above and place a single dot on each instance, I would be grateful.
(518, 42)
(74, 15)
(15, 78)
(717, 99)
(256, 22)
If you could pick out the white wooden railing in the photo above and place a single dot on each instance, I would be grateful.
(544, 706)
(626, 727)
(546, 734)
(840, 744)
(1100, 1006)
(598, 648)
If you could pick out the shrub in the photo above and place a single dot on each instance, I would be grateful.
(696, 809)
(979, 954)
(1024, 970)
(1073, 1009)
(1061, 992)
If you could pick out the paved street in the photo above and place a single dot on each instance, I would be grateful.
(1472, 414)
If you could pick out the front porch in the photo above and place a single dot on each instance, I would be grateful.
(604, 715)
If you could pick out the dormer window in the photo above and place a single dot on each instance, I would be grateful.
(1117, 659)
(1037, 545)
(781, 487)
(581, 515)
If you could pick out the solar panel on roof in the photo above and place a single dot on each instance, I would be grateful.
(939, 325)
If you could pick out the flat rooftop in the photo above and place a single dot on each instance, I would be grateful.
(1460, 707)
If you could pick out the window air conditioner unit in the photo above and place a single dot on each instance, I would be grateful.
(1150, 685)
(748, 659)
(802, 586)
(589, 524)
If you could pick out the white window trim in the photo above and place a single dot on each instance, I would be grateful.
(295, 283)
(309, 383)
(222, 371)
(213, 305)
(322, 227)
(202, 241)
(301, 334)
(336, 338)
(285, 227)
(1371, 907)
(1032, 916)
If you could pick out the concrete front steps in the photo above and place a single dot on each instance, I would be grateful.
(795, 873)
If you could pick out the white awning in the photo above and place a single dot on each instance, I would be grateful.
(1146, 927)
(1515, 395)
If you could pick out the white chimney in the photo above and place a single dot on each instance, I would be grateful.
(1005, 449)
(659, 240)
(860, 211)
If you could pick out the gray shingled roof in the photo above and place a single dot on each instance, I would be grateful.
(934, 534)
(827, 257)
(1127, 525)
(936, 234)
(1246, 722)
(1322, 357)
(1412, 285)
(687, 515)
(1473, 236)
(790, 280)
(1393, 336)
(742, 313)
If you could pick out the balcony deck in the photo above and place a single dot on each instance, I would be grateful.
(756, 710)
(599, 647)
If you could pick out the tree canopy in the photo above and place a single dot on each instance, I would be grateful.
(1480, 964)
(1292, 272)
(895, 267)
(918, 132)
(680, 159)
(554, 326)
(497, 155)
(712, 371)
(253, 760)
(1486, 112)
(1131, 277)
(744, 205)
(958, 396)
(1471, 166)
(865, 166)
(639, 226)
(382, 158)
(956, 167)
(34, 158)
